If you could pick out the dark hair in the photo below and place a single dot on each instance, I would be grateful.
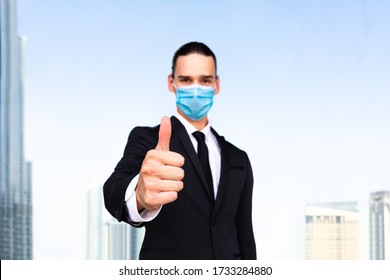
(193, 47)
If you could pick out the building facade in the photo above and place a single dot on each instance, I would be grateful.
(95, 224)
(15, 173)
(380, 225)
(332, 231)
(122, 241)
(107, 239)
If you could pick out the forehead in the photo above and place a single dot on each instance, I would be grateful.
(195, 64)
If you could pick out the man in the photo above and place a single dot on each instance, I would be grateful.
(192, 191)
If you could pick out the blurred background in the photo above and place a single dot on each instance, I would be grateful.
(305, 91)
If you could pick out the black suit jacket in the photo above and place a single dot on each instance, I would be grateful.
(194, 226)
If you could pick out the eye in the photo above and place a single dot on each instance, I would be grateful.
(206, 81)
(185, 81)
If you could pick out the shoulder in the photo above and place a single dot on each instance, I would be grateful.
(233, 151)
(143, 137)
(140, 131)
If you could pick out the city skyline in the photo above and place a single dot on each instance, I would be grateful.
(307, 79)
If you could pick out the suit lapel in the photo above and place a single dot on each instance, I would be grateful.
(229, 161)
(182, 134)
(223, 181)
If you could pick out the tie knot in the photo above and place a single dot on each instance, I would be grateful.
(199, 136)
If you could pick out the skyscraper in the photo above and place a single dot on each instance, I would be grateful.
(332, 231)
(108, 239)
(123, 242)
(15, 181)
(94, 224)
(380, 225)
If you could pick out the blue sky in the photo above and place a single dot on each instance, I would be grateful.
(304, 90)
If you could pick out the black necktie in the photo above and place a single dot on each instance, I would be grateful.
(203, 154)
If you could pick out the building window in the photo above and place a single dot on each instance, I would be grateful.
(309, 219)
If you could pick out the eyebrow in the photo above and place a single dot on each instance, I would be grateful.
(184, 77)
(202, 76)
(207, 77)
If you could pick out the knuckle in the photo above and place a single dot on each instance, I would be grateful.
(151, 154)
(146, 170)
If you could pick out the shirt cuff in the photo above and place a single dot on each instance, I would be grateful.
(131, 203)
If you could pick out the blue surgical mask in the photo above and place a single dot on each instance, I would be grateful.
(194, 101)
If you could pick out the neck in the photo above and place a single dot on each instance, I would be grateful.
(199, 125)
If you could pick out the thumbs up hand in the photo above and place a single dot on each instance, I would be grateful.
(161, 174)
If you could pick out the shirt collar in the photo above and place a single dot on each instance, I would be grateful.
(190, 128)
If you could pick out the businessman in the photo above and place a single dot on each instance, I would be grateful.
(189, 187)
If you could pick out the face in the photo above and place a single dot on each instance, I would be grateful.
(194, 69)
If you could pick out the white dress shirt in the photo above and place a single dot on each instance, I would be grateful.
(215, 166)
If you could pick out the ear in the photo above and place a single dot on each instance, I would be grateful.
(217, 85)
(171, 87)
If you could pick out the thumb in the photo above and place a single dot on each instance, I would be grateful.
(164, 135)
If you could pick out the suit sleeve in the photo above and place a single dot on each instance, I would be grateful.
(140, 141)
(244, 218)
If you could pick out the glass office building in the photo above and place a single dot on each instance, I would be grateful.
(15, 173)
(380, 225)
(107, 239)
(121, 241)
